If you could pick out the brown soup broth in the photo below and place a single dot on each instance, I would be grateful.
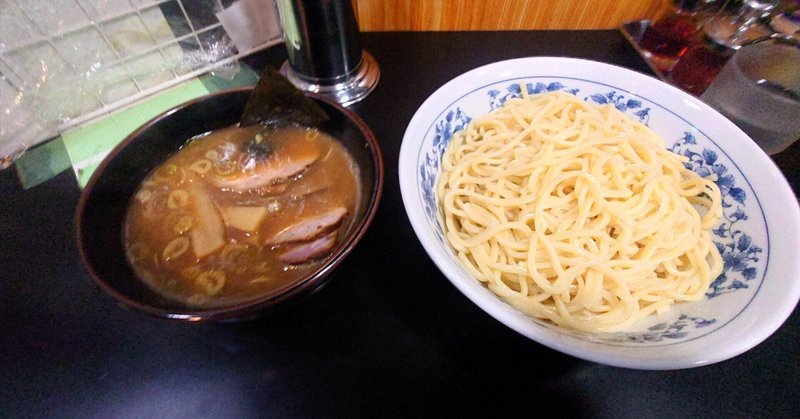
(200, 228)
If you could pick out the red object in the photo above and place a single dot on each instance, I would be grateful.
(668, 38)
(697, 68)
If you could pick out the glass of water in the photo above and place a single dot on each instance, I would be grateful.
(759, 90)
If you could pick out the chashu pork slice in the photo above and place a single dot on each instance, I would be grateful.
(309, 251)
(273, 169)
(309, 228)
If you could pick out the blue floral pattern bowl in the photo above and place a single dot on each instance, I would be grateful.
(758, 237)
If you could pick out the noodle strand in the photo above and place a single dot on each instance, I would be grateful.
(577, 214)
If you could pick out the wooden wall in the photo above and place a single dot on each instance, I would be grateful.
(470, 15)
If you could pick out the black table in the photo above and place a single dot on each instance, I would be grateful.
(389, 336)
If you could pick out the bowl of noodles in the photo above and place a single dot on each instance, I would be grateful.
(602, 213)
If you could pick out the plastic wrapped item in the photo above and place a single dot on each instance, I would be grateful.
(65, 62)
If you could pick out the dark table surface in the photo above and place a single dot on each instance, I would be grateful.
(389, 336)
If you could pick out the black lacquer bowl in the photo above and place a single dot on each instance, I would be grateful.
(101, 211)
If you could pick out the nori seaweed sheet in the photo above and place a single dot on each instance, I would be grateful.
(275, 101)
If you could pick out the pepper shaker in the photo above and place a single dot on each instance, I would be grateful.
(323, 43)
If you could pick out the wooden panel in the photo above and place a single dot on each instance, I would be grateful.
(469, 15)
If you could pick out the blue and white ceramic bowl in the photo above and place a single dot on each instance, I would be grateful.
(759, 236)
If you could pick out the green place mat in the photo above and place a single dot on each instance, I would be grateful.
(88, 145)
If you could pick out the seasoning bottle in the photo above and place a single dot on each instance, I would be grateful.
(788, 22)
(323, 43)
(722, 35)
(666, 38)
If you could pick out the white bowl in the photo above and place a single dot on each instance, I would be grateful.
(759, 236)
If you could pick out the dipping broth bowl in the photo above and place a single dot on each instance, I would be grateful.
(101, 211)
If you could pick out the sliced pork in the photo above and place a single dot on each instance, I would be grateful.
(266, 173)
(309, 251)
(307, 229)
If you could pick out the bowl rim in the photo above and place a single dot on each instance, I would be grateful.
(461, 86)
(250, 309)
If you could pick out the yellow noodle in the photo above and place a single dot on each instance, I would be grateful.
(575, 213)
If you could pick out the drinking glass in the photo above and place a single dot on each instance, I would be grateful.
(759, 90)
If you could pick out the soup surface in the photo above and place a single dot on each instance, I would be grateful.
(240, 213)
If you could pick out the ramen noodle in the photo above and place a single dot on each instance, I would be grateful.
(577, 214)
